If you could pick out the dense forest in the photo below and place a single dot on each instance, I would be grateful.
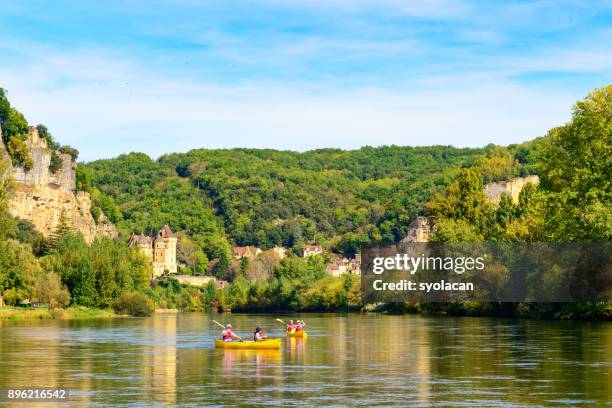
(340, 199)
(215, 199)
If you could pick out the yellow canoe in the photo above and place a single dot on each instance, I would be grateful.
(267, 344)
(297, 333)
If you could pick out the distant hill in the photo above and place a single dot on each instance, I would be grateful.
(340, 198)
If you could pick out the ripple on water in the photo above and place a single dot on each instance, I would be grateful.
(433, 362)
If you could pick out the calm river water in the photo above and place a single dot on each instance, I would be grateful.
(348, 360)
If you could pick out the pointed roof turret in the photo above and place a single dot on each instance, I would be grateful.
(133, 239)
(166, 232)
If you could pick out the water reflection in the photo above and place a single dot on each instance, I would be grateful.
(234, 362)
(159, 363)
(169, 360)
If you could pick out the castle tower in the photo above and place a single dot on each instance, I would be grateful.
(164, 252)
(143, 244)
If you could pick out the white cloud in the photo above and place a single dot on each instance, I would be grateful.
(106, 103)
(124, 109)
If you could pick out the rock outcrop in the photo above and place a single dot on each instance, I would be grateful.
(419, 231)
(41, 197)
(422, 229)
(513, 187)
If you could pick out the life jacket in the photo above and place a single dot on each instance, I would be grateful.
(227, 335)
(298, 327)
(290, 327)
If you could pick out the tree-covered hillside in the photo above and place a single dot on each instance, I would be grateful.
(342, 199)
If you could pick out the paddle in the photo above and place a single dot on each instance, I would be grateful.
(279, 320)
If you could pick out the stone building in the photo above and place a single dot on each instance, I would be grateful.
(340, 266)
(160, 250)
(310, 250)
(250, 252)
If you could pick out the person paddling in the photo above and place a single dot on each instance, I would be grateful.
(290, 326)
(259, 335)
(300, 325)
(228, 335)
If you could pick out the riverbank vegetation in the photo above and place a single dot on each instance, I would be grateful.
(44, 313)
(63, 270)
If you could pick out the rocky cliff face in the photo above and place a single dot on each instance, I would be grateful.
(40, 196)
(512, 187)
(422, 228)
(419, 231)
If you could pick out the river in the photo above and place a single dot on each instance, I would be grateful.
(347, 360)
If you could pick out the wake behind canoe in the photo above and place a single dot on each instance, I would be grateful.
(249, 345)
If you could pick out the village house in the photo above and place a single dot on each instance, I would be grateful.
(159, 250)
(341, 266)
(280, 252)
(249, 252)
(200, 281)
(310, 250)
(337, 267)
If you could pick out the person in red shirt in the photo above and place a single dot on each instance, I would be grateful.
(299, 325)
(228, 335)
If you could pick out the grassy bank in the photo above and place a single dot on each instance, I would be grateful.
(71, 313)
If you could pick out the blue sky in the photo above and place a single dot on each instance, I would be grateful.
(162, 76)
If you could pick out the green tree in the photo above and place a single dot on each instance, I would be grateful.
(305, 269)
(62, 229)
(456, 231)
(44, 133)
(19, 269)
(462, 212)
(14, 132)
(56, 163)
(19, 153)
(69, 259)
(74, 153)
(575, 172)
(244, 264)
(134, 303)
(51, 291)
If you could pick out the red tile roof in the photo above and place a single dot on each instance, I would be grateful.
(166, 232)
(313, 248)
(239, 250)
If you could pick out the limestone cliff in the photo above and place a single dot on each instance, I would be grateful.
(40, 196)
(512, 187)
(423, 228)
(420, 230)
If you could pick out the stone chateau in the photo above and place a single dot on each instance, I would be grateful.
(160, 250)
